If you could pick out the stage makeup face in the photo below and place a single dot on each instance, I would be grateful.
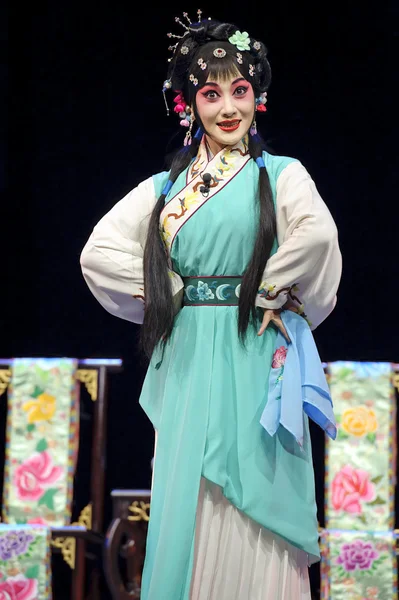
(226, 110)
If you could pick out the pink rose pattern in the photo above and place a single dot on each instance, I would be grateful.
(279, 357)
(35, 473)
(349, 487)
(37, 521)
(357, 555)
(18, 588)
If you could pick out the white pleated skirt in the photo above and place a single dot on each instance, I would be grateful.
(235, 558)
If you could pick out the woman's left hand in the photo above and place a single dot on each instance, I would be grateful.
(273, 316)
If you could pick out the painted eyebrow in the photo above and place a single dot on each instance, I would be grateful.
(214, 84)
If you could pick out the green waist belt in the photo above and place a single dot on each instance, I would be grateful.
(219, 290)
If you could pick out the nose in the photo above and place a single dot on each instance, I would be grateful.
(229, 108)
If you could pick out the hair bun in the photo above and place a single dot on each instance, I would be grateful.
(199, 31)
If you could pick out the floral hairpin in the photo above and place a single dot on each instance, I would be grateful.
(187, 119)
(202, 63)
(182, 110)
(261, 102)
(240, 40)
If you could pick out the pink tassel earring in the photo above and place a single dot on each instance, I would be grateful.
(187, 139)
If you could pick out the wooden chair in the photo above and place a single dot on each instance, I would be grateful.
(72, 541)
(125, 539)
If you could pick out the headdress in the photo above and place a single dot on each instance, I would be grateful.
(249, 54)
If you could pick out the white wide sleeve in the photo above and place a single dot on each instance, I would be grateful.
(306, 269)
(112, 259)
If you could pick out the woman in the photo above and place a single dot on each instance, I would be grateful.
(207, 256)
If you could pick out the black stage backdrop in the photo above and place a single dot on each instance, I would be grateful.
(88, 123)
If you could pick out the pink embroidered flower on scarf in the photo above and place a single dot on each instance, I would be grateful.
(36, 472)
(279, 357)
(18, 588)
(349, 487)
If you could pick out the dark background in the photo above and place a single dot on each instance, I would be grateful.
(87, 123)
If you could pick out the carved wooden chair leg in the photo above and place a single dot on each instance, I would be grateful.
(133, 553)
(79, 572)
(126, 539)
(128, 551)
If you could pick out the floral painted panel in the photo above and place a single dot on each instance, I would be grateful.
(360, 463)
(358, 565)
(41, 442)
(25, 562)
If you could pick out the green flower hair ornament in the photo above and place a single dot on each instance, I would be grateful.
(241, 40)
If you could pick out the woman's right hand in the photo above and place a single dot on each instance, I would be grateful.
(271, 315)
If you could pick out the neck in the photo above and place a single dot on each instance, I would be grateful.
(213, 146)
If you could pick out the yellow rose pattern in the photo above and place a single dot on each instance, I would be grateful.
(40, 409)
(359, 421)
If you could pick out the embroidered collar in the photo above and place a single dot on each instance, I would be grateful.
(222, 167)
(204, 155)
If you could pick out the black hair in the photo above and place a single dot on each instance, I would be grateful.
(186, 75)
(200, 42)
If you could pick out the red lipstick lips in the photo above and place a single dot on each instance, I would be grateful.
(229, 125)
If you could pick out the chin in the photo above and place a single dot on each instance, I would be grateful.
(232, 140)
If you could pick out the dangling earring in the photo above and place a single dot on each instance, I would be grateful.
(253, 130)
(187, 139)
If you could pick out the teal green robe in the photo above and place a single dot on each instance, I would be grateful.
(206, 399)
